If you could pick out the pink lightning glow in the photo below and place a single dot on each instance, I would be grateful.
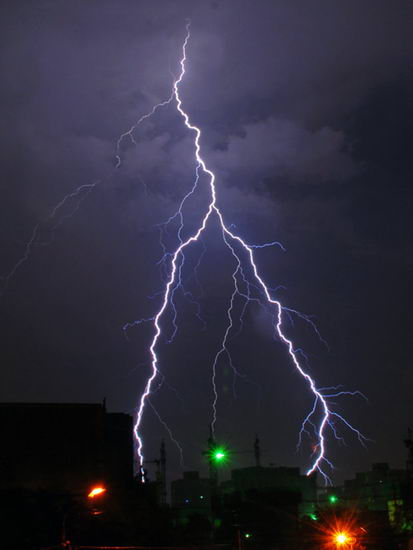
(231, 239)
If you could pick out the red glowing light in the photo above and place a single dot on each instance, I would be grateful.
(96, 491)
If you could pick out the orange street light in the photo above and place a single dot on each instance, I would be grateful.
(343, 539)
(96, 491)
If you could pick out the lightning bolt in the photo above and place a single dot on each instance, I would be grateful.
(243, 254)
(246, 280)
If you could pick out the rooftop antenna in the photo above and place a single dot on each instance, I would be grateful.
(257, 452)
(163, 472)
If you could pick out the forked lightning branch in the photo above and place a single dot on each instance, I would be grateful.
(321, 419)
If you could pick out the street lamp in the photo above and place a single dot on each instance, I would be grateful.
(96, 491)
(96, 500)
(341, 538)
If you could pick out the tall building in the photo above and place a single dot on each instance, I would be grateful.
(376, 488)
(60, 447)
(385, 490)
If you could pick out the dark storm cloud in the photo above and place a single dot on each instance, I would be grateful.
(307, 115)
(282, 147)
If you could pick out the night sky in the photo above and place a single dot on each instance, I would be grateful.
(307, 116)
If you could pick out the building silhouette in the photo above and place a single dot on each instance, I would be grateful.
(191, 495)
(64, 447)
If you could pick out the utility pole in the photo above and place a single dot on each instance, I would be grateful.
(160, 464)
(213, 470)
(163, 472)
(257, 452)
(409, 445)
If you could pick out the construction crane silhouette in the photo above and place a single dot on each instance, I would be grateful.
(160, 464)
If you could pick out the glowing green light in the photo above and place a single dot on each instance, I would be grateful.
(219, 455)
(247, 535)
(313, 517)
(333, 499)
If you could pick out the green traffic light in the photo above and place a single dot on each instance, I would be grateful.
(313, 517)
(333, 499)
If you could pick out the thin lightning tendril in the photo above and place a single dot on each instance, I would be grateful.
(78, 194)
(169, 431)
(233, 242)
(129, 133)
